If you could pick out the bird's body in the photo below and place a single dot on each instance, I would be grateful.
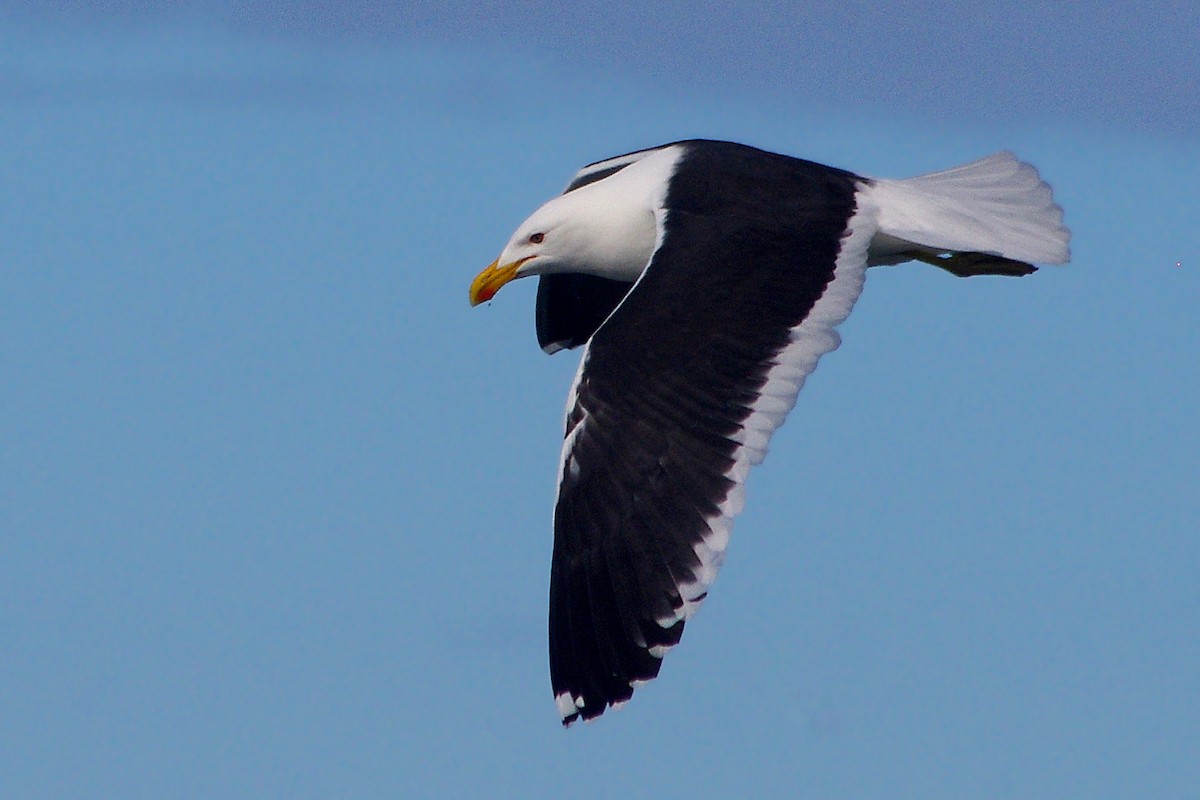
(707, 279)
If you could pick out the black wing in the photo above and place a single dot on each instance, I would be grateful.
(677, 394)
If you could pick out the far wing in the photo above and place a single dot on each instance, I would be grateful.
(571, 307)
(609, 166)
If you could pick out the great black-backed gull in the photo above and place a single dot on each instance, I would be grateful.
(706, 279)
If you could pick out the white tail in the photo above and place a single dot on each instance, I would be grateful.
(997, 205)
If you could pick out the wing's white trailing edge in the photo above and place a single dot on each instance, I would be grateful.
(997, 205)
(812, 338)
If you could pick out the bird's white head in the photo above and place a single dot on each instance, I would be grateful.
(592, 230)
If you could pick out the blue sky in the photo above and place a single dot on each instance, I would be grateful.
(275, 502)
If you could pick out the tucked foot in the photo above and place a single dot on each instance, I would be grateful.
(965, 265)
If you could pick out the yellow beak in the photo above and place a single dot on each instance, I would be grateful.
(488, 282)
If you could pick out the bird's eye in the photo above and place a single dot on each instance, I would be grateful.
(536, 238)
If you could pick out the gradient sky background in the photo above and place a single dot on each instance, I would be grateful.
(275, 503)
